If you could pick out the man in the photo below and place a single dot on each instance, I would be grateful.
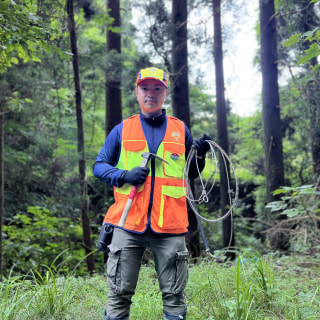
(158, 216)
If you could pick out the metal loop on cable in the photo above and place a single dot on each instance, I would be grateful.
(203, 197)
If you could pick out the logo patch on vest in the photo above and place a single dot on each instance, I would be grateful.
(174, 156)
(176, 135)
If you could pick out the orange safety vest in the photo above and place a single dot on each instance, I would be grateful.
(169, 208)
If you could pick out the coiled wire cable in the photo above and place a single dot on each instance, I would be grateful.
(210, 180)
(204, 194)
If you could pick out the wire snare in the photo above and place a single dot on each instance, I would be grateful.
(203, 198)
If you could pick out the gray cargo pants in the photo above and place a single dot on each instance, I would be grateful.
(171, 263)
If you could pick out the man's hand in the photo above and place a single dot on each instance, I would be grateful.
(201, 145)
(136, 176)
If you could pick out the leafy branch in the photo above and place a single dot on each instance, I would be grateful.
(23, 33)
(313, 37)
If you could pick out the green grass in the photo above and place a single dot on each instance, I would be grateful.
(250, 288)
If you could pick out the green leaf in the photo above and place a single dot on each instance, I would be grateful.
(282, 190)
(278, 191)
(276, 205)
(306, 186)
(292, 40)
(290, 213)
(312, 52)
(24, 219)
(14, 60)
(308, 33)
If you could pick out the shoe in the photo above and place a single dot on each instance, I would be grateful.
(168, 316)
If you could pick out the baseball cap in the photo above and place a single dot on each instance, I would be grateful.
(152, 73)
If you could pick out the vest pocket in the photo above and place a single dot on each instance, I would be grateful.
(174, 153)
(173, 212)
(133, 150)
(121, 197)
(134, 145)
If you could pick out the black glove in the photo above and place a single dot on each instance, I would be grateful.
(201, 145)
(136, 175)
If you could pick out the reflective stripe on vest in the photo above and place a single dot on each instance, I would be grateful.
(169, 209)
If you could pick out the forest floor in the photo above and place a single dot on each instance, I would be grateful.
(268, 287)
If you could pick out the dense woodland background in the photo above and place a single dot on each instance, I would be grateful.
(68, 71)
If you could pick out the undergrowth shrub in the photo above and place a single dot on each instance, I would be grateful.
(37, 238)
(299, 213)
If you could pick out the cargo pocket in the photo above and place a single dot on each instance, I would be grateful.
(114, 270)
(182, 272)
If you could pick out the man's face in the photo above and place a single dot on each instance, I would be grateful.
(151, 95)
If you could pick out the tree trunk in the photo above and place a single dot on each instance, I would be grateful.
(1, 181)
(227, 228)
(179, 72)
(272, 136)
(113, 69)
(81, 146)
(309, 22)
(113, 77)
(274, 170)
(315, 128)
(180, 96)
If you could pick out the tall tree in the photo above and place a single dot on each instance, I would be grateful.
(274, 169)
(81, 146)
(179, 68)
(272, 133)
(309, 21)
(113, 69)
(180, 95)
(113, 72)
(227, 229)
(2, 103)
